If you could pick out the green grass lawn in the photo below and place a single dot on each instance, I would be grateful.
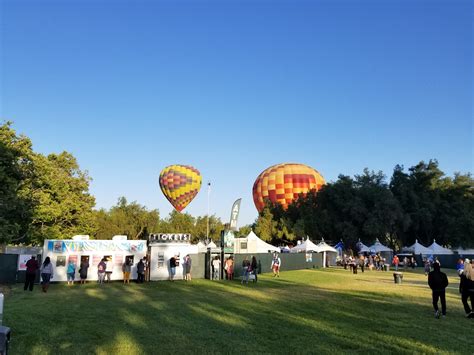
(306, 311)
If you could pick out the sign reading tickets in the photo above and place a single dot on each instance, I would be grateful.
(169, 238)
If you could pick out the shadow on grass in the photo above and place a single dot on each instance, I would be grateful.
(293, 313)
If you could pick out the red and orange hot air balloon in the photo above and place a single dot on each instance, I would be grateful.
(283, 183)
(180, 184)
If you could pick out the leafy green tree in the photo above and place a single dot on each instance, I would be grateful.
(62, 202)
(16, 171)
(130, 219)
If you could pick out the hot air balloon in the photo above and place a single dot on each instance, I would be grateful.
(180, 184)
(283, 183)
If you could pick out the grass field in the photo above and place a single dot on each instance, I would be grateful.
(306, 311)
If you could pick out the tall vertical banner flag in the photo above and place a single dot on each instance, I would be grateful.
(234, 215)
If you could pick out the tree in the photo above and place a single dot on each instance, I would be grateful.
(130, 219)
(15, 174)
(62, 202)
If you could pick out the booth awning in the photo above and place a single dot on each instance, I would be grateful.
(417, 249)
(378, 247)
(306, 246)
(437, 249)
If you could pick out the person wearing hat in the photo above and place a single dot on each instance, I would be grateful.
(438, 281)
(466, 288)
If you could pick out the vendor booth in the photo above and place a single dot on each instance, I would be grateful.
(163, 247)
(437, 249)
(61, 251)
(382, 250)
(305, 247)
(417, 249)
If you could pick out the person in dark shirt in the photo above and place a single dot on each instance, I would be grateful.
(140, 271)
(438, 281)
(172, 268)
(466, 288)
(31, 269)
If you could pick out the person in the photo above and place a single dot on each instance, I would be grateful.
(126, 270)
(146, 269)
(31, 269)
(254, 267)
(140, 271)
(362, 262)
(276, 265)
(101, 271)
(395, 262)
(245, 270)
(172, 268)
(109, 267)
(466, 288)
(427, 264)
(230, 268)
(405, 263)
(83, 268)
(413, 262)
(187, 267)
(438, 281)
(71, 272)
(216, 266)
(460, 266)
(46, 272)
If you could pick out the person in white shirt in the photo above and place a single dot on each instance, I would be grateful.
(276, 265)
(216, 265)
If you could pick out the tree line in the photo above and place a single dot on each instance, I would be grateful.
(420, 203)
(47, 197)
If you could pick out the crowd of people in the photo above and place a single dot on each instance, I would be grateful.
(437, 280)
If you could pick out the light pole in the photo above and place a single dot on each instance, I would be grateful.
(208, 199)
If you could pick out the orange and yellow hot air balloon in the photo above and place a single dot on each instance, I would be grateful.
(180, 184)
(283, 183)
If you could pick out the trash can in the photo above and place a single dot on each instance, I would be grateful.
(397, 277)
(4, 339)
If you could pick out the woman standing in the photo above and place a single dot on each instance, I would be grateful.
(126, 269)
(230, 268)
(83, 268)
(71, 271)
(254, 266)
(46, 272)
(467, 288)
(187, 267)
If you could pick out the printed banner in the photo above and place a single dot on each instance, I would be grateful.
(75, 246)
(22, 259)
(234, 215)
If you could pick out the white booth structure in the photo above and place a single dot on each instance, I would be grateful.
(165, 246)
(61, 251)
(252, 244)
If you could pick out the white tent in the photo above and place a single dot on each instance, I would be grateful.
(462, 251)
(253, 244)
(362, 247)
(325, 248)
(417, 249)
(437, 249)
(379, 247)
(211, 245)
(201, 247)
(306, 246)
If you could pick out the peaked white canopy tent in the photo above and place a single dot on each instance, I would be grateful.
(253, 244)
(462, 251)
(437, 249)
(417, 249)
(378, 247)
(362, 247)
(325, 248)
(306, 246)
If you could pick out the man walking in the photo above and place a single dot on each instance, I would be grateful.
(31, 268)
(438, 281)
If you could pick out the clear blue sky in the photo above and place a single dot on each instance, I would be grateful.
(232, 87)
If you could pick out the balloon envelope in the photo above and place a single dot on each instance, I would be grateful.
(283, 183)
(180, 184)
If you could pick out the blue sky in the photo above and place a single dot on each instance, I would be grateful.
(233, 87)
